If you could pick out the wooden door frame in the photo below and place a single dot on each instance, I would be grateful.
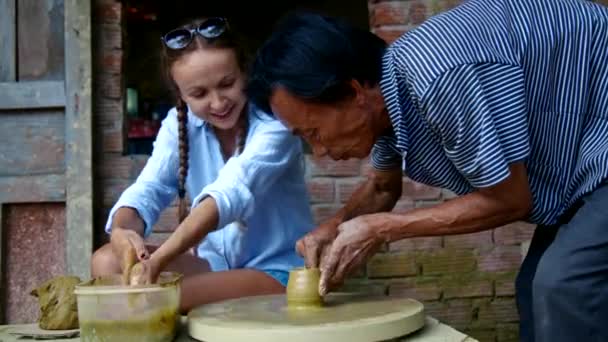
(79, 136)
(75, 186)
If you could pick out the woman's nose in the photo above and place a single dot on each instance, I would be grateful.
(217, 103)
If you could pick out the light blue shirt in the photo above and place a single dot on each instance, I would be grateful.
(261, 194)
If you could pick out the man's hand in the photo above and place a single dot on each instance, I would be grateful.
(357, 241)
(313, 246)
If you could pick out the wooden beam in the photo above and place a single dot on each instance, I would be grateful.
(2, 275)
(28, 189)
(8, 43)
(79, 144)
(34, 94)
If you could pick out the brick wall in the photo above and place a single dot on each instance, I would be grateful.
(466, 281)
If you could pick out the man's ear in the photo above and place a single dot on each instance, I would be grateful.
(359, 92)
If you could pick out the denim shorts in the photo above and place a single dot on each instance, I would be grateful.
(280, 276)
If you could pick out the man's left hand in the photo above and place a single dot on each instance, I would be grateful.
(357, 241)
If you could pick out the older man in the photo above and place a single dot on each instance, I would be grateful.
(504, 102)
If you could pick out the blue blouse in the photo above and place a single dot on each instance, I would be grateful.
(261, 194)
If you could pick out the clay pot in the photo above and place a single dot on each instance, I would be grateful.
(303, 288)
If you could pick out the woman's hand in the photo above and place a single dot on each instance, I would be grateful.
(129, 247)
(145, 272)
(357, 241)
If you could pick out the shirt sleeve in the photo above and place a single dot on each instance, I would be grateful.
(479, 112)
(156, 185)
(385, 155)
(269, 152)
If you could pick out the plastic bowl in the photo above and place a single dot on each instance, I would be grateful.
(109, 312)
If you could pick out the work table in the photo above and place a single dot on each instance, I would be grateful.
(434, 331)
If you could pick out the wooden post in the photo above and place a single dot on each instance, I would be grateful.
(79, 145)
(8, 17)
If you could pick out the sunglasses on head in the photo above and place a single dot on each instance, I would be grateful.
(182, 37)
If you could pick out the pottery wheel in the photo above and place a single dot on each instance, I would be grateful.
(352, 318)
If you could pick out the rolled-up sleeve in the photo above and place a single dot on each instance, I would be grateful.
(479, 112)
(267, 155)
(156, 186)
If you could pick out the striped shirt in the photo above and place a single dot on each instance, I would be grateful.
(494, 82)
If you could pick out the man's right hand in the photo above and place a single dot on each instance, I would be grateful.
(313, 246)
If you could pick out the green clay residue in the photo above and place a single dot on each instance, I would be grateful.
(160, 327)
(58, 307)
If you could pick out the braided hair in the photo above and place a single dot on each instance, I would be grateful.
(182, 173)
(228, 40)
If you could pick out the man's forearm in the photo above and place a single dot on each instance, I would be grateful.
(378, 194)
(481, 210)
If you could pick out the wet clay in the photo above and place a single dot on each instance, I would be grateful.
(57, 301)
(129, 259)
(159, 327)
(303, 289)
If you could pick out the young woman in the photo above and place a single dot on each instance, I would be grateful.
(243, 169)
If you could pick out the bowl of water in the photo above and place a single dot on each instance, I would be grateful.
(108, 311)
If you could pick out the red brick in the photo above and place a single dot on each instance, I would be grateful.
(112, 141)
(447, 261)
(112, 189)
(364, 286)
(157, 239)
(168, 221)
(480, 240)
(109, 113)
(500, 259)
(427, 204)
(504, 285)
(468, 287)
(415, 244)
(384, 265)
(322, 190)
(514, 233)
(346, 187)
(457, 313)
(327, 167)
(444, 5)
(110, 37)
(501, 310)
(390, 34)
(507, 332)
(366, 167)
(112, 61)
(418, 191)
(403, 206)
(417, 13)
(422, 289)
(448, 194)
(109, 12)
(116, 166)
(322, 212)
(389, 13)
(110, 85)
